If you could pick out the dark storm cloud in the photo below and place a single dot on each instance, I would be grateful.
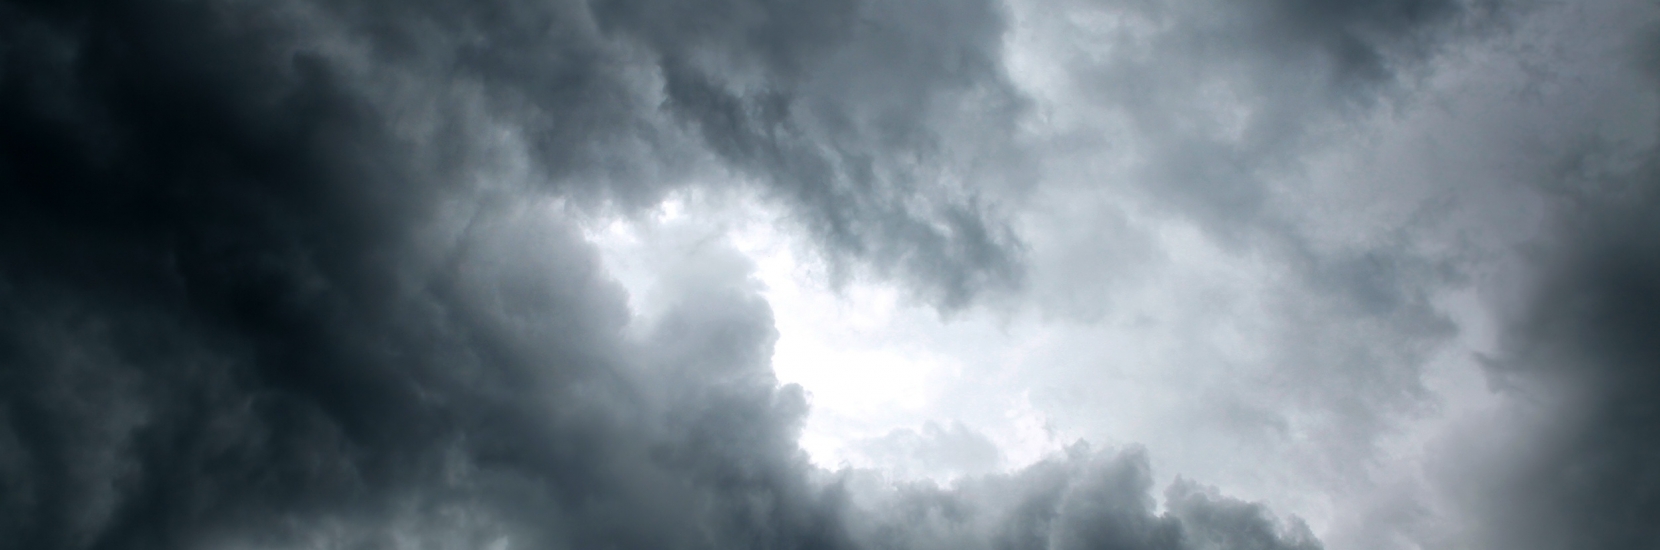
(222, 326)
(1582, 359)
(261, 288)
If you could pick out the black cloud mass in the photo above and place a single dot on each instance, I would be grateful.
(303, 274)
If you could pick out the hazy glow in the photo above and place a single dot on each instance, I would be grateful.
(972, 274)
(1181, 342)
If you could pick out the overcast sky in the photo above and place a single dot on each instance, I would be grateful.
(830, 274)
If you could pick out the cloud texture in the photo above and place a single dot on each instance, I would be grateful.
(263, 288)
(318, 274)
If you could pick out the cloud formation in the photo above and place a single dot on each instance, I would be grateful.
(273, 278)
(319, 274)
(1578, 357)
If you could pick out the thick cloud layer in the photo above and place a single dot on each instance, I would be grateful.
(1577, 453)
(1082, 500)
(289, 275)
(1215, 115)
(314, 274)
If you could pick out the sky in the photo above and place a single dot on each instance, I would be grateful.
(830, 274)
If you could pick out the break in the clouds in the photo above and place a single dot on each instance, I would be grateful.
(1272, 274)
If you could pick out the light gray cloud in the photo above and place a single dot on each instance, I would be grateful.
(1084, 499)
(1223, 98)
(1217, 116)
(933, 451)
(1228, 118)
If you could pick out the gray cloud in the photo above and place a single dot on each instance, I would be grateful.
(1085, 499)
(839, 107)
(306, 275)
(1576, 465)
(1566, 459)
(270, 279)
(1222, 115)
(1224, 97)
(1216, 115)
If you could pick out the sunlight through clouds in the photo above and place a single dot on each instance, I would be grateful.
(830, 274)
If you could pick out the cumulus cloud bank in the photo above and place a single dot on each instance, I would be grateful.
(304, 274)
